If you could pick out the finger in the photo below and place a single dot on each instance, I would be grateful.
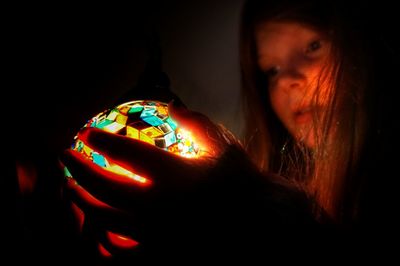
(100, 213)
(82, 198)
(191, 120)
(105, 254)
(121, 242)
(115, 189)
(140, 157)
(79, 216)
(89, 205)
(111, 244)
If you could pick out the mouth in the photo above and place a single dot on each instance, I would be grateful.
(303, 115)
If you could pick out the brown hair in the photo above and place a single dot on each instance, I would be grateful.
(331, 172)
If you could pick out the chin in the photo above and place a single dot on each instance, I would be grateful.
(308, 140)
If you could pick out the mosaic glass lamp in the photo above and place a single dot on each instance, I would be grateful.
(144, 120)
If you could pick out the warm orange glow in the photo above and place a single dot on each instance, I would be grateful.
(104, 252)
(122, 171)
(116, 168)
(188, 141)
(121, 241)
(79, 215)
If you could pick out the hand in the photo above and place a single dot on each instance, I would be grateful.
(186, 205)
(180, 192)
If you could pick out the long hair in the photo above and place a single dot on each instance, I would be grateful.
(332, 172)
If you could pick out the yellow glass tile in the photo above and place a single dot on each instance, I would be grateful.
(86, 150)
(152, 132)
(124, 109)
(162, 110)
(146, 138)
(132, 132)
(121, 119)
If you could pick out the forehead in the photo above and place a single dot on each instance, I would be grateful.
(275, 37)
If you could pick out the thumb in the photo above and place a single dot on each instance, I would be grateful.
(205, 132)
(186, 118)
(178, 111)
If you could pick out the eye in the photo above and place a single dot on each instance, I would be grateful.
(314, 46)
(273, 71)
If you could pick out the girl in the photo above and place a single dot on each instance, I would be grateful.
(316, 109)
(313, 97)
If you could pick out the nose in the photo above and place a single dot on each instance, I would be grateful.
(291, 79)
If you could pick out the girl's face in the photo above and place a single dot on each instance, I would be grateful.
(293, 57)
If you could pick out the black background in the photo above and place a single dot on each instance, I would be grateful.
(64, 64)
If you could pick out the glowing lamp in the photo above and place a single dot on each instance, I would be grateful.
(144, 120)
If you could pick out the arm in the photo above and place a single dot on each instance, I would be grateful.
(192, 205)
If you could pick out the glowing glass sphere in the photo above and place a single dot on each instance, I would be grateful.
(144, 120)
